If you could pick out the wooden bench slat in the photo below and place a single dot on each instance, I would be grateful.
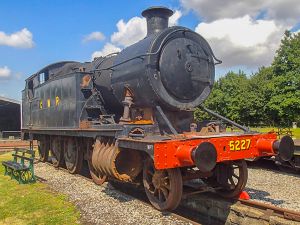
(28, 151)
(14, 165)
(23, 157)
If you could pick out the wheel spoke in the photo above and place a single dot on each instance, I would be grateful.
(151, 188)
(150, 172)
(160, 195)
(236, 176)
(149, 181)
(165, 179)
(231, 181)
(167, 186)
(56, 152)
(165, 192)
(155, 192)
(73, 155)
(147, 186)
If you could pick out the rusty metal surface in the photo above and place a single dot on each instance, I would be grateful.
(109, 160)
(102, 128)
(85, 124)
(103, 158)
(273, 210)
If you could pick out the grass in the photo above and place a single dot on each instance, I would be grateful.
(32, 203)
(296, 132)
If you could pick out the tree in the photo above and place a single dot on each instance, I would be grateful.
(269, 97)
(287, 57)
(284, 103)
(260, 84)
(231, 98)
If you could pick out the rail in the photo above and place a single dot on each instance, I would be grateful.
(272, 210)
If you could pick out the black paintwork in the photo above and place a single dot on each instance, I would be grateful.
(172, 68)
(38, 114)
(175, 70)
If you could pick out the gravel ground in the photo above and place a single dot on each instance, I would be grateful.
(275, 187)
(106, 205)
(101, 204)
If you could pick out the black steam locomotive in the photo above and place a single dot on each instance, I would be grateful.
(130, 116)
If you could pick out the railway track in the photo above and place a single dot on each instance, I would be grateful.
(192, 216)
(271, 210)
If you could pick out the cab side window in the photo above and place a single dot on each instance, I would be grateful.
(43, 77)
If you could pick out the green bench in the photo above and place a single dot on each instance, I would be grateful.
(21, 167)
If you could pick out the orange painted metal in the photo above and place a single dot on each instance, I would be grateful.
(177, 153)
(141, 122)
(265, 144)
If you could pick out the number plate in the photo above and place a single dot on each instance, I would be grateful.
(239, 145)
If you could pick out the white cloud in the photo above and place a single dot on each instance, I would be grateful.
(242, 41)
(20, 39)
(136, 29)
(5, 73)
(107, 49)
(94, 36)
(283, 11)
(131, 32)
(244, 33)
(174, 19)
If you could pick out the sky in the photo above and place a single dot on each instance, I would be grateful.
(34, 33)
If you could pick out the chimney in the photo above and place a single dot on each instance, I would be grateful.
(157, 19)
